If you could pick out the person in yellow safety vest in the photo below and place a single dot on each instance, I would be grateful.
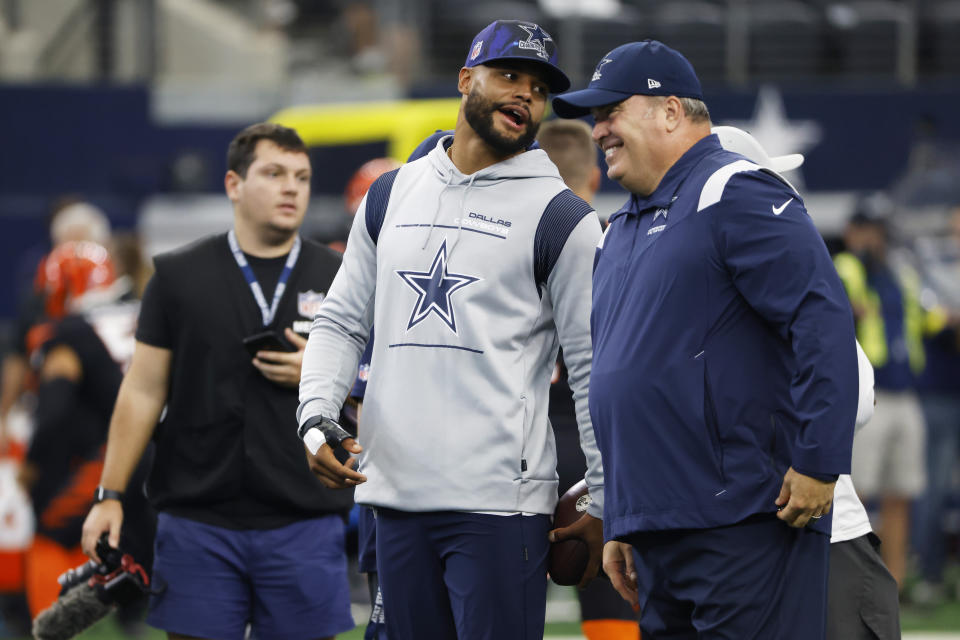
(871, 333)
(888, 462)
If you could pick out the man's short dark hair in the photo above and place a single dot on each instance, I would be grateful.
(569, 144)
(241, 152)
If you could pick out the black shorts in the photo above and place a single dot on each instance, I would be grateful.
(862, 600)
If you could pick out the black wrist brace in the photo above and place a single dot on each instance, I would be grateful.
(332, 432)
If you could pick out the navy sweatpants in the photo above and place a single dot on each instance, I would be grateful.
(758, 579)
(447, 575)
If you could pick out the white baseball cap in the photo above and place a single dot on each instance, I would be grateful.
(739, 141)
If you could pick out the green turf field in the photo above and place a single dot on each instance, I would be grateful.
(940, 620)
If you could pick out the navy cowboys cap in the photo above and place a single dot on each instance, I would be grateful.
(518, 40)
(648, 68)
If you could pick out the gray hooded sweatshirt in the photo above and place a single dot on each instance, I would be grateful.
(471, 283)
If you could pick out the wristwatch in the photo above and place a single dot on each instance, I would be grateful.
(102, 494)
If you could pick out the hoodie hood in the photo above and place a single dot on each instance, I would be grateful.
(533, 163)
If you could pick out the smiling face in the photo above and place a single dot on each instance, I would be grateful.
(504, 104)
(632, 136)
(271, 199)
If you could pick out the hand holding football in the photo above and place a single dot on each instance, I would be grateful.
(568, 558)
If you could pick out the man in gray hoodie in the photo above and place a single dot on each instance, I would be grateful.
(473, 264)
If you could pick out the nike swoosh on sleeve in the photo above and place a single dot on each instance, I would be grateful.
(778, 210)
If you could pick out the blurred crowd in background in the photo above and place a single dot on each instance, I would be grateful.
(115, 113)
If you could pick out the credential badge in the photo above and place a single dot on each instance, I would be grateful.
(308, 303)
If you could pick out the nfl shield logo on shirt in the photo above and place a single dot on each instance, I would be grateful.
(308, 303)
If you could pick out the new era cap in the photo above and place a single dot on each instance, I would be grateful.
(739, 141)
(518, 40)
(648, 68)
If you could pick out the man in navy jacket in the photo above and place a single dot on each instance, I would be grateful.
(724, 383)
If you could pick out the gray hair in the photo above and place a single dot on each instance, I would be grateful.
(695, 109)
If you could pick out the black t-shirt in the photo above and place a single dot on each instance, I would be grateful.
(227, 449)
(154, 328)
(267, 272)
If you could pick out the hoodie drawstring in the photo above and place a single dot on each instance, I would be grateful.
(463, 212)
(436, 212)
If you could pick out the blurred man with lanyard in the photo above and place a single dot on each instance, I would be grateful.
(246, 534)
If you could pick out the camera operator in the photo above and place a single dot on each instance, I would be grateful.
(245, 532)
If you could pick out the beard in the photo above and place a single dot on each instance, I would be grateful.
(479, 114)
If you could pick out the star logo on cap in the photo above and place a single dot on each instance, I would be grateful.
(596, 74)
(434, 289)
(536, 40)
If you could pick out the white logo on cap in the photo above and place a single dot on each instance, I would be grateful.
(652, 84)
(596, 74)
(538, 46)
(476, 50)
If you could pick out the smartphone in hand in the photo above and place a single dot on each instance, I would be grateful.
(265, 341)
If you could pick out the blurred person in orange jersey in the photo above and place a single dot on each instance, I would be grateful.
(70, 220)
(360, 181)
(78, 354)
(356, 188)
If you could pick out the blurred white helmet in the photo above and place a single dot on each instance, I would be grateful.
(739, 141)
(78, 222)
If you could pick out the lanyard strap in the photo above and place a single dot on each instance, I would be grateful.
(267, 313)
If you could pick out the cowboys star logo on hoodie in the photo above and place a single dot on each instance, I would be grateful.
(434, 289)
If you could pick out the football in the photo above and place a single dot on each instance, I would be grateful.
(568, 558)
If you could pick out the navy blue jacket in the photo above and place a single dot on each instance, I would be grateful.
(723, 349)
